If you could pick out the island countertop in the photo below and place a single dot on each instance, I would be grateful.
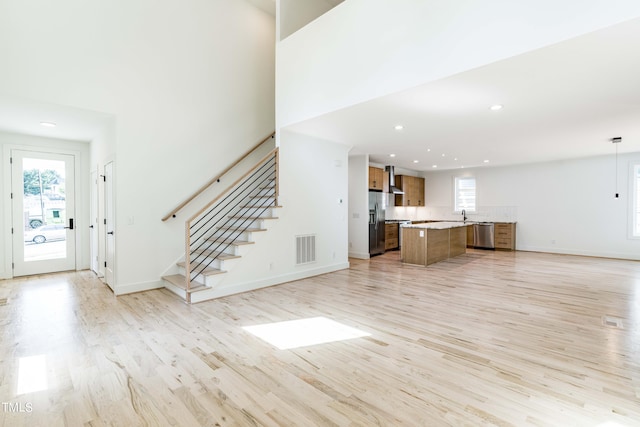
(438, 225)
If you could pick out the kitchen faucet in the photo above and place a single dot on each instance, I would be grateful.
(464, 216)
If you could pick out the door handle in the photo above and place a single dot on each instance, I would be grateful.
(91, 226)
(70, 227)
(110, 232)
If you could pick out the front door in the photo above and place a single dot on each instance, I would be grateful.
(43, 212)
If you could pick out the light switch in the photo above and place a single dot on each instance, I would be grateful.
(421, 233)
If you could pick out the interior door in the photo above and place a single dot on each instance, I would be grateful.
(93, 226)
(43, 212)
(110, 240)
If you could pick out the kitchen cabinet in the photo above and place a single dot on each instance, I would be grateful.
(469, 236)
(391, 236)
(413, 188)
(376, 178)
(430, 243)
(505, 235)
(385, 182)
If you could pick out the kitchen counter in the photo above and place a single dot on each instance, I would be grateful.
(467, 222)
(428, 243)
(439, 225)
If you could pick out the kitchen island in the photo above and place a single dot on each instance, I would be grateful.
(428, 243)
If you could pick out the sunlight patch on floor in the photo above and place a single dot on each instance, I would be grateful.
(304, 332)
(32, 374)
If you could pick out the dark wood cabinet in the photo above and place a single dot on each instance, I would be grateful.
(376, 178)
(413, 188)
(391, 236)
(505, 235)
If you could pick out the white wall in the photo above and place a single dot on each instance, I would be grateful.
(314, 188)
(313, 195)
(10, 141)
(359, 206)
(561, 207)
(365, 49)
(190, 85)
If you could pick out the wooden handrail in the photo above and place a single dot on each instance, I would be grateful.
(215, 179)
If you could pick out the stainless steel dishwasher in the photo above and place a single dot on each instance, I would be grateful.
(483, 235)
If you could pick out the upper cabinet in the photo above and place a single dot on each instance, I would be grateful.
(413, 188)
(376, 178)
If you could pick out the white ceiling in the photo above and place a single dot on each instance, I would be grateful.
(269, 6)
(563, 101)
(23, 116)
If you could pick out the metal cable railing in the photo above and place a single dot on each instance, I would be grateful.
(225, 206)
(219, 225)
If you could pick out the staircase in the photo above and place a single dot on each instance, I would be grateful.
(218, 235)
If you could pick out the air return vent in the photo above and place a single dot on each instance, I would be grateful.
(305, 249)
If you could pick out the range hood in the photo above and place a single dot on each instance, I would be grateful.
(392, 181)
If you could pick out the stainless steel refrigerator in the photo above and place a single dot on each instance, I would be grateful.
(376, 223)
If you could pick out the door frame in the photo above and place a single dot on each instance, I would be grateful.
(80, 150)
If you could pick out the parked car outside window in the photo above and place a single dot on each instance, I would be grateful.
(46, 233)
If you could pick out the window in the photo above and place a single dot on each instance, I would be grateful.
(465, 194)
(635, 210)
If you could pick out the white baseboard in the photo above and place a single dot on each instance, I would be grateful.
(359, 255)
(563, 251)
(138, 287)
(263, 283)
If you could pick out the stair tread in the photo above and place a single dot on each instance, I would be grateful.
(180, 281)
(219, 255)
(259, 206)
(209, 271)
(252, 230)
(253, 217)
(233, 242)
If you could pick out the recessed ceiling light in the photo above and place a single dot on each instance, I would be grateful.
(486, 161)
(428, 149)
(48, 124)
(392, 155)
(434, 166)
(442, 154)
(416, 161)
(496, 107)
(455, 158)
(399, 127)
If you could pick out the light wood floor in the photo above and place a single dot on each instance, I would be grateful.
(487, 338)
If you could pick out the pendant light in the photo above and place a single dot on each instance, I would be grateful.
(616, 141)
